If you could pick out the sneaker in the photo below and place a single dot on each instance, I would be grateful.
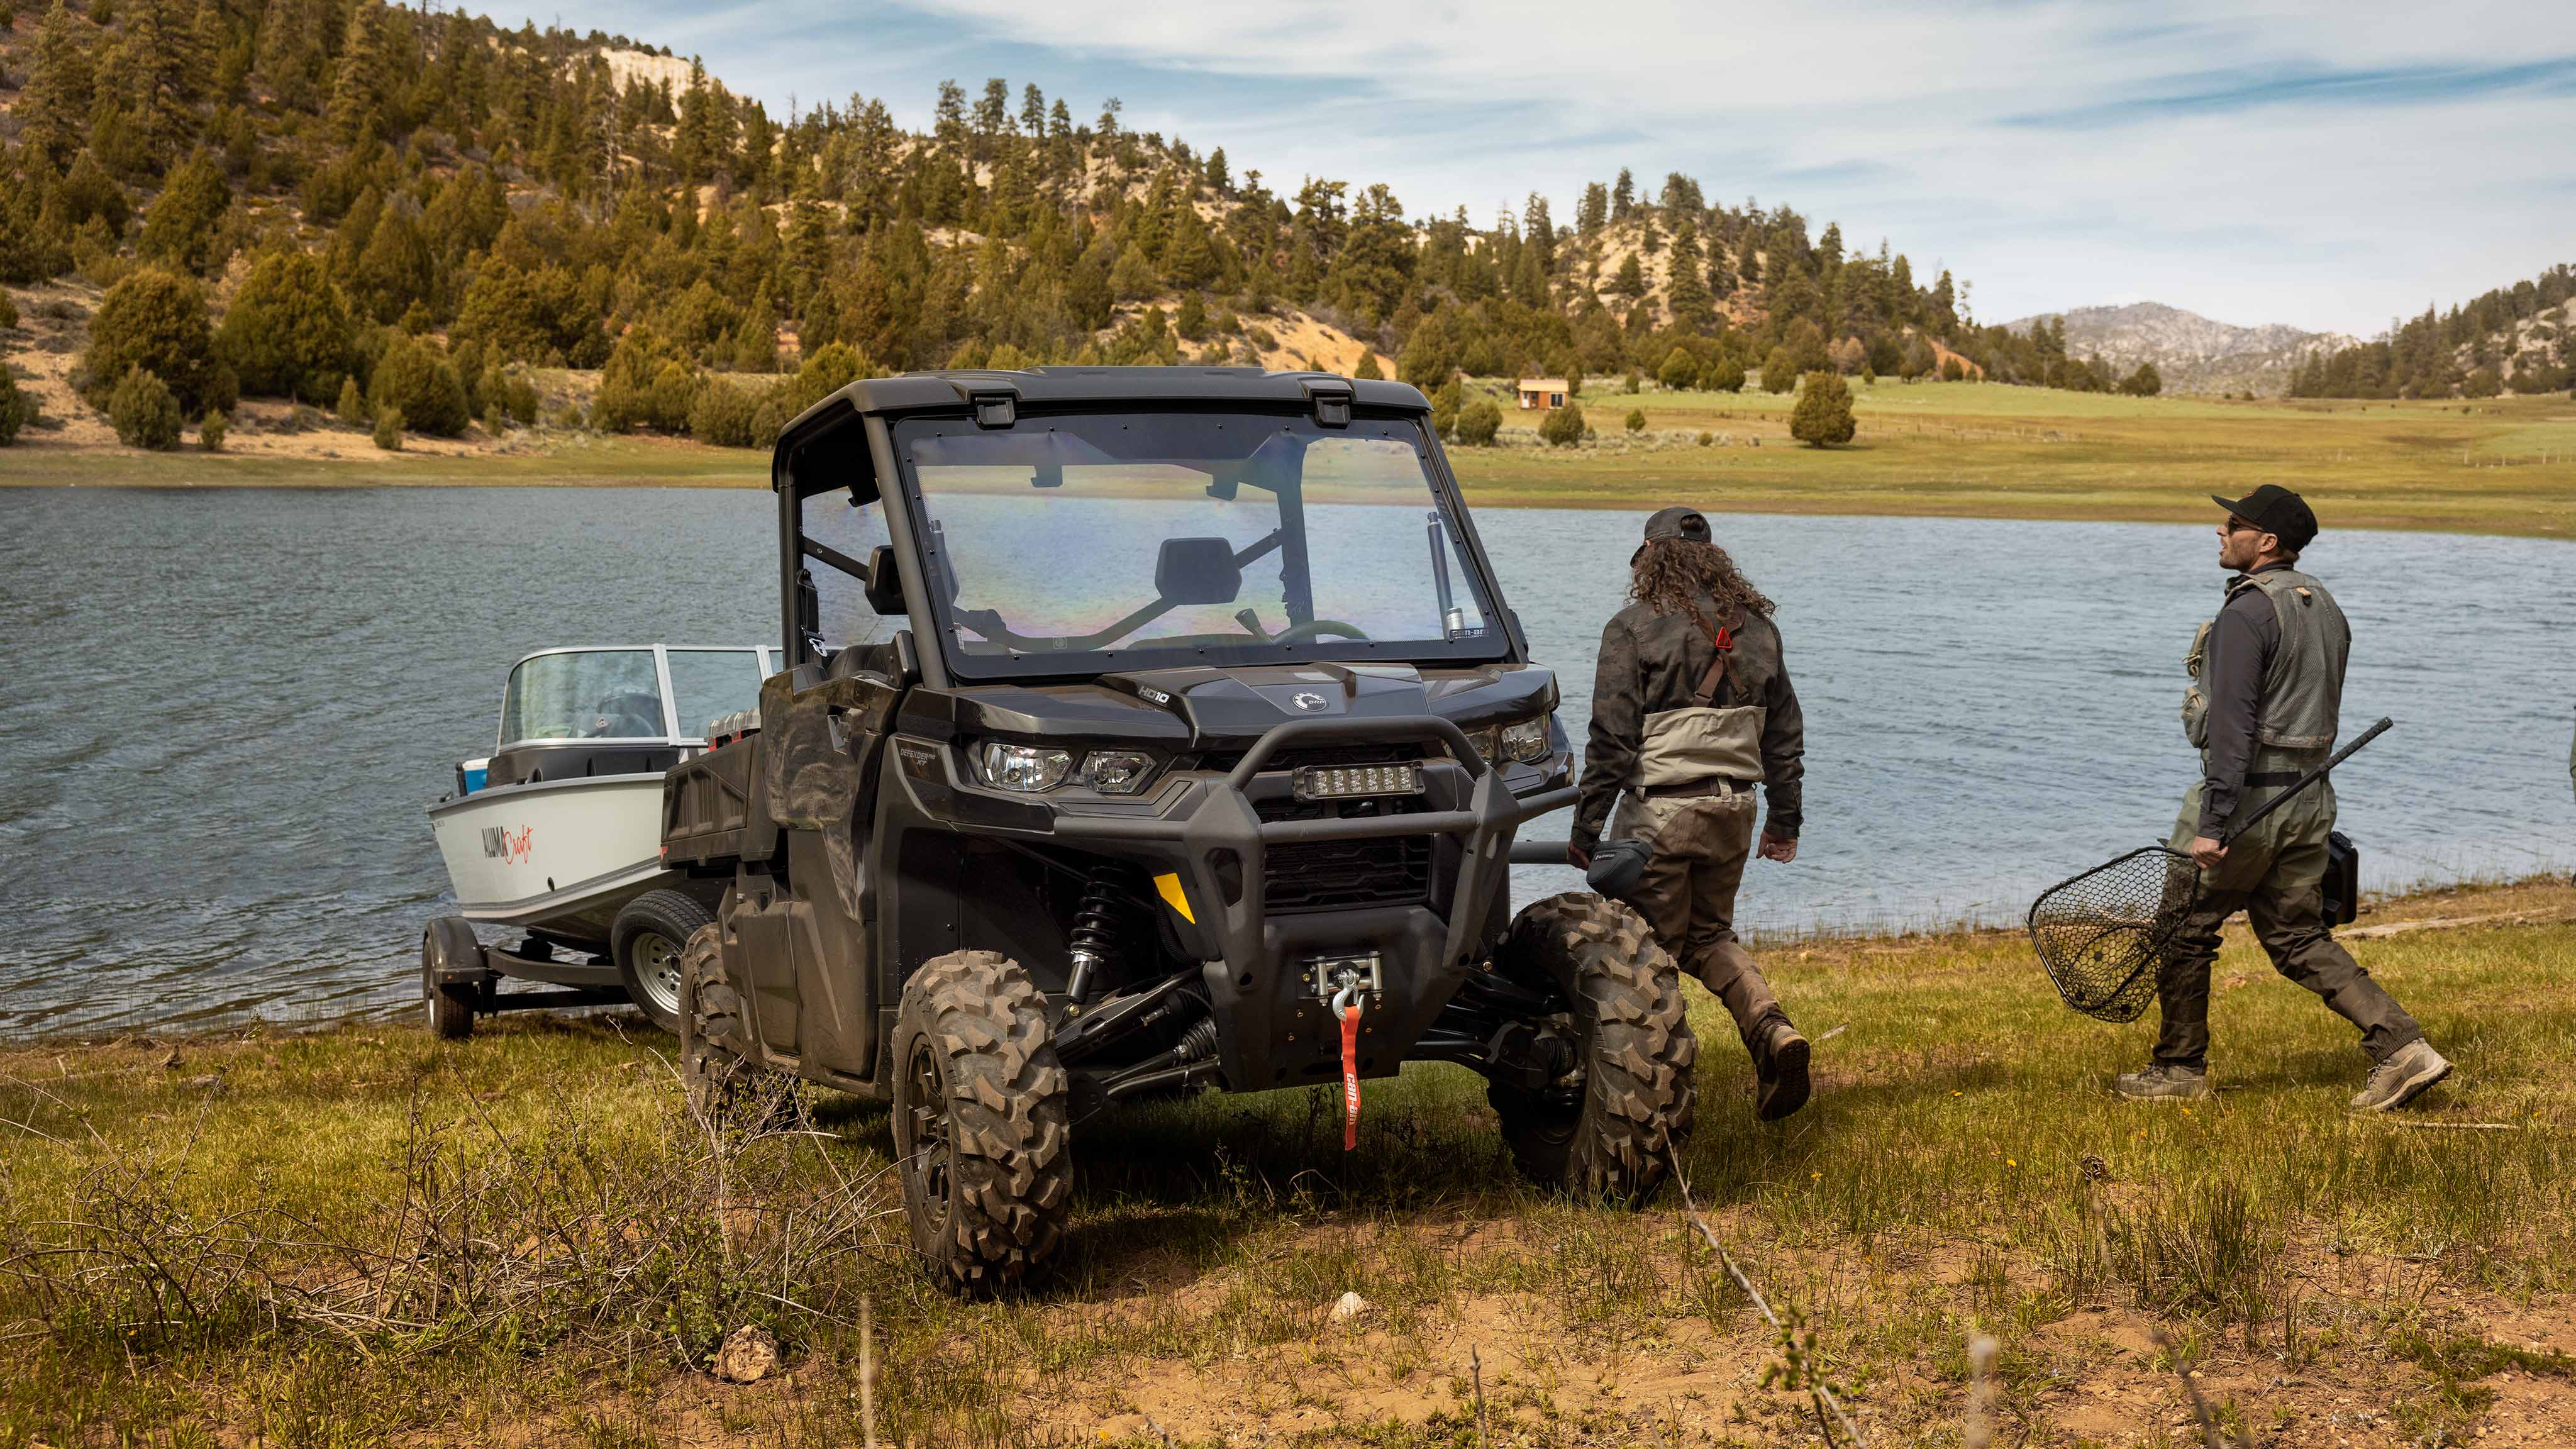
(2162, 1081)
(1779, 1070)
(2402, 1078)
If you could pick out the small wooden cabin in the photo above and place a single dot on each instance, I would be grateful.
(1542, 393)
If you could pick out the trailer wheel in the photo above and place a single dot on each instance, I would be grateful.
(447, 949)
(1613, 1135)
(980, 1123)
(646, 940)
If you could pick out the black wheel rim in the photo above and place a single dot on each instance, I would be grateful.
(928, 1147)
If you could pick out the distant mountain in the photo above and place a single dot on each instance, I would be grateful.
(2192, 352)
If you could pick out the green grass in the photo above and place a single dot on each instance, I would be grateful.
(1978, 450)
(361, 1235)
(1951, 449)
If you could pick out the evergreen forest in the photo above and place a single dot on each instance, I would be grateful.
(401, 214)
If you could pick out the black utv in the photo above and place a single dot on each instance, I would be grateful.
(1140, 727)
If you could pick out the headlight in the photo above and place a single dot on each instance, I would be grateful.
(1119, 772)
(1028, 769)
(1488, 742)
(1527, 741)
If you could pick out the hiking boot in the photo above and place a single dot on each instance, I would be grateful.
(1779, 1069)
(2162, 1081)
(2402, 1078)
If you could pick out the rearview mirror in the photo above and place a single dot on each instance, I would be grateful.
(1197, 571)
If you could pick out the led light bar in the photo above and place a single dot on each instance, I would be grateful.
(1352, 782)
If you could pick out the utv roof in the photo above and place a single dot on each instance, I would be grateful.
(1047, 387)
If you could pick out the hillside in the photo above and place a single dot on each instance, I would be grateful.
(469, 229)
(2519, 339)
(2192, 353)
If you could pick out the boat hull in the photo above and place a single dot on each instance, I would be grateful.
(559, 856)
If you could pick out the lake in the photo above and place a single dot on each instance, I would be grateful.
(227, 709)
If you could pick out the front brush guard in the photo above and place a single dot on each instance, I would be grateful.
(1225, 851)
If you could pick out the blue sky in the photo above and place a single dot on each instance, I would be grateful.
(2324, 165)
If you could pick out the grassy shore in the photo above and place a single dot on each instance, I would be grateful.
(2505, 465)
(362, 1236)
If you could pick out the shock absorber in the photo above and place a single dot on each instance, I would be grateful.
(1095, 928)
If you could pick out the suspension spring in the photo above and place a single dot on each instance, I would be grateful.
(1095, 928)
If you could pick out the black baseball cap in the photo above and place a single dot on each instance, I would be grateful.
(2274, 509)
(1677, 522)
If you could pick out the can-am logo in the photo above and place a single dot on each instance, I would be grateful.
(1308, 701)
(509, 847)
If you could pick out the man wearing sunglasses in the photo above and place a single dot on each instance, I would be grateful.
(2262, 709)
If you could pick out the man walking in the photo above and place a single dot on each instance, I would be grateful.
(1691, 704)
(2262, 708)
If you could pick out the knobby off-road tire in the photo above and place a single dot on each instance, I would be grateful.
(646, 941)
(1617, 1139)
(980, 1122)
(712, 1067)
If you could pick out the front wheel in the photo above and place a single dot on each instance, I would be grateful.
(980, 1123)
(646, 940)
(1610, 1130)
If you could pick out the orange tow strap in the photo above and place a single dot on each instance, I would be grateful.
(1351, 1076)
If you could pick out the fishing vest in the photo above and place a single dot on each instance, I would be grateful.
(2302, 697)
(1704, 740)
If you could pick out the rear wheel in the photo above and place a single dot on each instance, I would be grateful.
(980, 1122)
(450, 962)
(646, 941)
(721, 1079)
(1611, 1129)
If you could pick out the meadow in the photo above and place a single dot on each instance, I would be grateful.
(1969, 449)
(2501, 465)
(361, 1235)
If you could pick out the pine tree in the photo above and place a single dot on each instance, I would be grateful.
(286, 332)
(1823, 414)
(704, 141)
(1685, 289)
(357, 84)
(163, 74)
(56, 107)
(993, 109)
(1623, 196)
(180, 226)
(1593, 210)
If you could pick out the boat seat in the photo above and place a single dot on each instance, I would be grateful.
(539, 761)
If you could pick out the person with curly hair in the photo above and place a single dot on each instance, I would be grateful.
(1691, 705)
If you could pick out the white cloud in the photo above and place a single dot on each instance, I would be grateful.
(2317, 164)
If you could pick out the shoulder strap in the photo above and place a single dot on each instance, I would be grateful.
(1721, 641)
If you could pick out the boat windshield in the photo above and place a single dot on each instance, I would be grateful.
(707, 684)
(619, 694)
(1136, 541)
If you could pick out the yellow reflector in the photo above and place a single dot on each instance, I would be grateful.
(1169, 886)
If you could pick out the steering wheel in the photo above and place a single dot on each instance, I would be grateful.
(1317, 628)
(626, 716)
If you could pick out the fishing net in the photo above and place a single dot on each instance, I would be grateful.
(2101, 933)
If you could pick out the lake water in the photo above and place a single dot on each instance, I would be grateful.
(224, 711)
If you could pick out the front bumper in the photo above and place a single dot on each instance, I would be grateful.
(1211, 837)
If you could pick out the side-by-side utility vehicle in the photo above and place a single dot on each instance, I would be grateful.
(1145, 730)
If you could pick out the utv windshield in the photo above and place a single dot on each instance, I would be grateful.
(1140, 541)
